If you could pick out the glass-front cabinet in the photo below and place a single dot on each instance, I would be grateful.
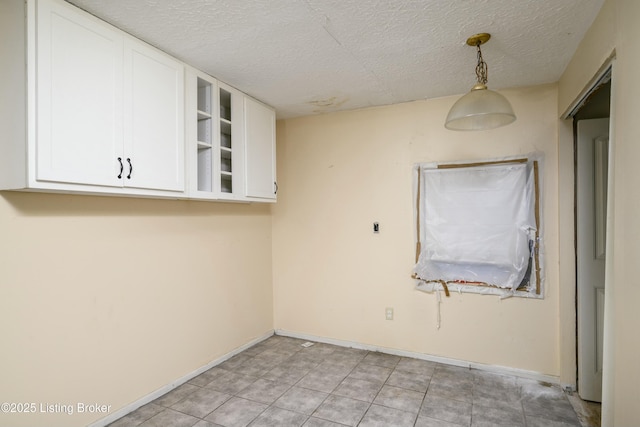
(229, 157)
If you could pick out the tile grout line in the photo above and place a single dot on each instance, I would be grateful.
(336, 387)
(323, 400)
(271, 404)
(424, 397)
(370, 403)
(290, 387)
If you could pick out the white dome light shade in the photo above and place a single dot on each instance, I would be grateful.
(480, 109)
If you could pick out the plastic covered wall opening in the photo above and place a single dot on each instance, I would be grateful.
(478, 226)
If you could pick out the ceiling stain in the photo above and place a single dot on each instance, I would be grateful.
(328, 104)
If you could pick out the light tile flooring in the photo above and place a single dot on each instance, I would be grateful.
(589, 413)
(278, 382)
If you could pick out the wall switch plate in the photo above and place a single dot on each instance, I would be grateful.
(388, 312)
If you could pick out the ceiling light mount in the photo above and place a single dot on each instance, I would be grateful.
(481, 108)
(478, 39)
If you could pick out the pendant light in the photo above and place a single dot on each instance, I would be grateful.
(481, 108)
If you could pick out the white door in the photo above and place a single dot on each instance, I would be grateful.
(260, 150)
(591, 204)
(79, 98)
(154, 119)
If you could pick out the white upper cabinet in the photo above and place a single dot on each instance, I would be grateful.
(153, 119)
(79, 98)
(97, 111)
(105, 111)
(260, 150)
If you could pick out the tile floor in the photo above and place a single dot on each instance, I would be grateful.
(589, 413)
(280, 383)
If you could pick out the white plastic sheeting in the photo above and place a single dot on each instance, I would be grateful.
(477, 227)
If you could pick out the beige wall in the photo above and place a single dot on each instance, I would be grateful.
(338, 173)
(616, 28)
(105, 300)
(623, 345)
(99, 294)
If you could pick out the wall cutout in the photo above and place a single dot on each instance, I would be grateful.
(478, 226)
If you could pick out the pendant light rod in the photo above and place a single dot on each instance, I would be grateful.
(481, 108)
(482, 70)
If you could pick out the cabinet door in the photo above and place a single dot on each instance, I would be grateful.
(154, 119)
(260, 150)
(79, 97)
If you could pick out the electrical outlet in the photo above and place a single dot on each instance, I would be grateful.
(389, 313)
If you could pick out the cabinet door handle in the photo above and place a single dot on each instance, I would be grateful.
(121, 167)
(130, 168)
(275, 184)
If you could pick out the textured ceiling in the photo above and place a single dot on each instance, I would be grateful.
(312, 56)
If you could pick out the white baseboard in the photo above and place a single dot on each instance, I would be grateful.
(521, 373)
(167, 388)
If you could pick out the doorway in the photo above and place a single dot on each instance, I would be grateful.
(591, 154)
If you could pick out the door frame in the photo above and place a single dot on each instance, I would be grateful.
(567, 245)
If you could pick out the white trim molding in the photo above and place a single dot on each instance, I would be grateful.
(503, 370)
